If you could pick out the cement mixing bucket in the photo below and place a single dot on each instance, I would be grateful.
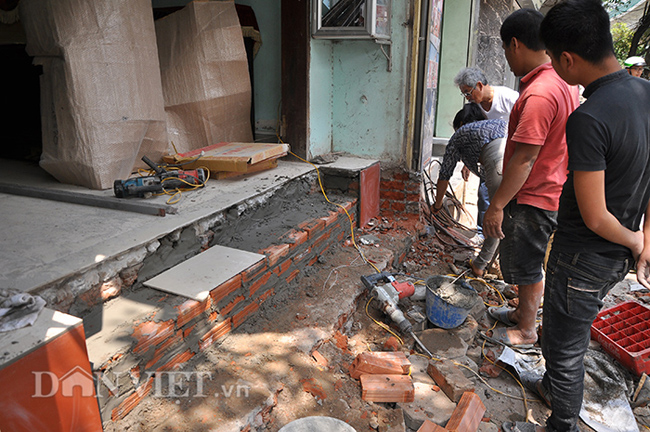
(449, 302)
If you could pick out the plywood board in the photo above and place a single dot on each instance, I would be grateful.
(228, 156)
(197, 276)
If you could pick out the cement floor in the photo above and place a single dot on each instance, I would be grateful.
(45, 241)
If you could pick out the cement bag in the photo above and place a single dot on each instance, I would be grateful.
(204, 75)
(101, 96)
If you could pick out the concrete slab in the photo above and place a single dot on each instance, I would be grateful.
(350, 163)
(109, 326)
(197, 276)
(50, 240)
(17, 343)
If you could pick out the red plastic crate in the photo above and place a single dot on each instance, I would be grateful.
(624, 333)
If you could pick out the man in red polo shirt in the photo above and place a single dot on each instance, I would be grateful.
(523, 212)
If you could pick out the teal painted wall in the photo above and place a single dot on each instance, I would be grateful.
(369, 104)
(321, 97)
(454, 49)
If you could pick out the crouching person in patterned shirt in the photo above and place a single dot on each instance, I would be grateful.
(476, 141)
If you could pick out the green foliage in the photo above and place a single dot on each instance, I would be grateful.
(622, 37)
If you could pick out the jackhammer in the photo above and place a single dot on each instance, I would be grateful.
(389, 293)
(155, 184)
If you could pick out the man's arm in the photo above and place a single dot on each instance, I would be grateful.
(589, 188)
(514, 176)
(441, 188)
(643, 263)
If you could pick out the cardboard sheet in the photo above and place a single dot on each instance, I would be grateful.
(204, 75)
(101, 95)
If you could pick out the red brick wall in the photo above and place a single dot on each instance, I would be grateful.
(399, 192)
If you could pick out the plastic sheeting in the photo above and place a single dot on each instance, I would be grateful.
(101, 95)
(205, 77)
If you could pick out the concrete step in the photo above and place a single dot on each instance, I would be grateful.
(134, 338)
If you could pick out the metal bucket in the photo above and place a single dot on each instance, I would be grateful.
(449, 302)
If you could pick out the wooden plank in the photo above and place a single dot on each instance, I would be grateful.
(387, 388)
(88, 200)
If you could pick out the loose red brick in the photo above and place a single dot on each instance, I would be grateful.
(230, 306)
(150, 333)
(313, 261)
(387, 388)
(282, 267)
(429, 426)
(132, 401)
(190, 310)
(259, 283)
(313, 387)
(319, 358)
(275, 252)
(312, 227)
(468, 414)
(226, 288)
(215, 333)
(254, 271)
(392, 344)
(293, 275)
(241, 316)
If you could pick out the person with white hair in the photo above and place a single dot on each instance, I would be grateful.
(495, 101)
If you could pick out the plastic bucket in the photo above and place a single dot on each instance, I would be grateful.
(448, 304)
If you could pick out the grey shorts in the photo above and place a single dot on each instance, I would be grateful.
(527, 230)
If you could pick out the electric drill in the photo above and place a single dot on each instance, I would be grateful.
(389, 295)
(158, 183)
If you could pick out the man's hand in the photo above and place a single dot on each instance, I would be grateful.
(465, 173)
(643, 268)
(492, 221)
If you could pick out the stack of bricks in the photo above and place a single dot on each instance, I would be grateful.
(165, 344)
(384, 376)
(399, 192)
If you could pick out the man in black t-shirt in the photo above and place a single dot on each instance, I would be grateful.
(602, 203)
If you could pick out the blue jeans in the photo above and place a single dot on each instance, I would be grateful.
(575, 285)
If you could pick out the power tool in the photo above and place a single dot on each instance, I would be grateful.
(163, 180)
(389, 293)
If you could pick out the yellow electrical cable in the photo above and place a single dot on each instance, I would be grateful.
(382, 325)
(320, 183)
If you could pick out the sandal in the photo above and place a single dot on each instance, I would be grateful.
(500, 313)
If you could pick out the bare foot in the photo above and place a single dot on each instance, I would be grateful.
(519, 337)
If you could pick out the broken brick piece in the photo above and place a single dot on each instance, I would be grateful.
(387, 388)
(313, 387)
(429, 426)
(385, 362)
(319, 358)
(450, 379)
(468, 414)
